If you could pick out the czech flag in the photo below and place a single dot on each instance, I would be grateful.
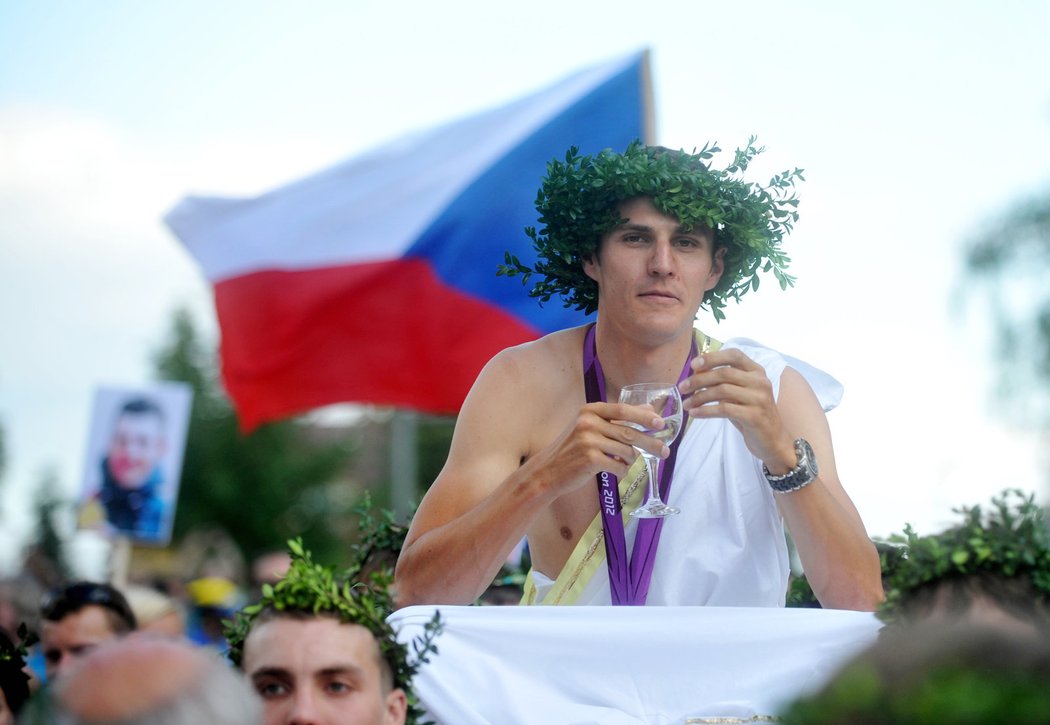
(375, 280)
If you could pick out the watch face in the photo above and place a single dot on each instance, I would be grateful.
(806, 458)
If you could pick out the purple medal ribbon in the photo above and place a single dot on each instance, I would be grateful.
(629, 582)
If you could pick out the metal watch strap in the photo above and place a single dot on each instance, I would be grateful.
(798, 477)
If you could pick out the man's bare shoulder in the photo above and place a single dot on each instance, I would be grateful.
(550, 362)
(517, 401)
(537, 381)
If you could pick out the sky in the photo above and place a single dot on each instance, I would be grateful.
(917, 124)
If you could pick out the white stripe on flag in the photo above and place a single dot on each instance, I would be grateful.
(372, 207)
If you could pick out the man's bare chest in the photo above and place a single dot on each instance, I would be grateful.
(557, 529)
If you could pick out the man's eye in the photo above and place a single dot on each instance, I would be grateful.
(687, 242)
(52, 655)
(271, 690)
(338, 688)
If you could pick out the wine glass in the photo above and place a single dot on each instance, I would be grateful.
(666, 401)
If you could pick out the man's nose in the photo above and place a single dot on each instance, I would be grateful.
(304, 709)
(661, 258)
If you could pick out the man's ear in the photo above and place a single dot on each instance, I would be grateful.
(718, 266)
(396, 707)
(590, 266)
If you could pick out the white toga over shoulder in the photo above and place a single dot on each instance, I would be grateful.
(727, 547)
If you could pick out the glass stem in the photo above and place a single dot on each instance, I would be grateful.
(654, 482)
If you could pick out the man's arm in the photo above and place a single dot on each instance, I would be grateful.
(486, 497)
(839, 559)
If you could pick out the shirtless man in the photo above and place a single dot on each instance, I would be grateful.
(528, 445)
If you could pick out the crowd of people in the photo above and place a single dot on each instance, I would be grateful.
(967, 638)
(543, 451)
(314, 648)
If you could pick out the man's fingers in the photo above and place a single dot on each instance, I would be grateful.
(642, 415)
(723, 358)
(624, 427)
(628, 439)
(708, 377)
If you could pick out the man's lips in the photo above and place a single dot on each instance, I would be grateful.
(659, 295)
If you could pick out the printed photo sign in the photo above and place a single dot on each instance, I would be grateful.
(134, 461)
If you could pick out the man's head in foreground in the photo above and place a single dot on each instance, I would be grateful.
(314, 668)
(317, 648)
(992, 568)
(147, 680)
(937, 671)
(78, 617)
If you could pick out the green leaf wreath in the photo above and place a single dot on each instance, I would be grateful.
(578, 204)
(311, 588)
(14, 653)
(17, 652)
(1011, 539)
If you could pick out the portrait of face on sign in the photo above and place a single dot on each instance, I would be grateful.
(134, 461)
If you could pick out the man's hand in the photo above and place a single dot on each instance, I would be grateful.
(840, 561)
(598, 440)
(729, 384)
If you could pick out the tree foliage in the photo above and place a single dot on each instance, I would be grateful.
(46, 554)
(1010, 261)
(262, 488)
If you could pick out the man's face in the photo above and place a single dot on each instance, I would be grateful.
(72, 637)
(136, 448)
(651, 273)
(319, 671)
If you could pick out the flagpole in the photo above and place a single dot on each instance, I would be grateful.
(404, 463)
(648, 103)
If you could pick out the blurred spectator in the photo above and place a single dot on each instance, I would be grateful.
(213, 599)
(940, 672)
(14, 680)
(267, 568)
(147, 680)
(77, 617)
(991, 568)
(8, 610)
(156, 611)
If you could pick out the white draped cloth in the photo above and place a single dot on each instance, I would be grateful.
(727, 546)
(627, 665)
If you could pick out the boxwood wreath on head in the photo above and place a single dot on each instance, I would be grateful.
(1011, 539)
(311, 589)
(578, 204)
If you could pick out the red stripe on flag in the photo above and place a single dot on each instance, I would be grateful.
(388, 333)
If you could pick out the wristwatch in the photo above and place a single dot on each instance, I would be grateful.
(798, 477)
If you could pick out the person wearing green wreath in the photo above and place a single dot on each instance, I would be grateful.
(543, 449)
(317, 648)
